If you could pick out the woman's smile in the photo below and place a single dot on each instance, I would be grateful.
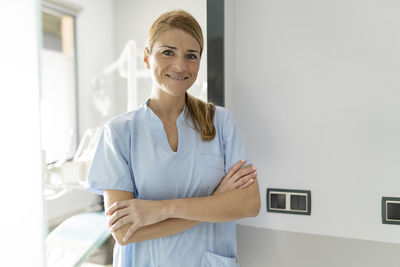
(177, 77)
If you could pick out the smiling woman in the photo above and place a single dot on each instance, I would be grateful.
(173, 58)
(173, 172)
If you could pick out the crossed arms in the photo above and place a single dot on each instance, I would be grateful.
(134, 220)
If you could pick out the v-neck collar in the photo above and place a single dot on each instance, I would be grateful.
(153, 117)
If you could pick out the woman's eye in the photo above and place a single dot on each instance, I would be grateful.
(168, 52)
(191, 56)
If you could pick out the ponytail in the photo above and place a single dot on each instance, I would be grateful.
(202, 114)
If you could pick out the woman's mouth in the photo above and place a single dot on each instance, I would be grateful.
(176, 77)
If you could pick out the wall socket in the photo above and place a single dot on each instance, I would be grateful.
(289, 201)
(390, 210)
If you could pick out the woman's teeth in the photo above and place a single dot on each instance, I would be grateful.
(177, 77)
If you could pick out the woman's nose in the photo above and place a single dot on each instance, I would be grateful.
(180, 64)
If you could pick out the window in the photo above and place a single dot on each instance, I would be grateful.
(58, 99)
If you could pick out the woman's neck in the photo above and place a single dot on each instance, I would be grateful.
(165, 105)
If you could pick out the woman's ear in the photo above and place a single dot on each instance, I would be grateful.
(146, 58)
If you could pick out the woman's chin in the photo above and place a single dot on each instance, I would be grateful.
(176, 92)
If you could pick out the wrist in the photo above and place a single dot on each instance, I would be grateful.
(167, 209)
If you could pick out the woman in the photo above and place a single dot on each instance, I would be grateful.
(163, 168)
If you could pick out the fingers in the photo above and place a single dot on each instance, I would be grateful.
(245, 179)
(249, 169)
(119, 224)
(117, 215)
(117, 205)
(130, 232)
(235, 168)
(249, 182)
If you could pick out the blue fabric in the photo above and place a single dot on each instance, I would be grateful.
(134, 155)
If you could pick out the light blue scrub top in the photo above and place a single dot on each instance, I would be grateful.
(134, 155)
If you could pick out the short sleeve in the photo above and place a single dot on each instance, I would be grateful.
(234, 146)
(111, 164)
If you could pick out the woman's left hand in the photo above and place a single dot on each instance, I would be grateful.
(137, 212)
(238, 177)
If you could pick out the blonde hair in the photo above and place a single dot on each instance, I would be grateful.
(178, 19)
(202, 113)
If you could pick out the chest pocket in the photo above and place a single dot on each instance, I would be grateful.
(211, 161)
(212, 168)
(211, 259)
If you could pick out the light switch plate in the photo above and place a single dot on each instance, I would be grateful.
(291, 201)
(391, 210)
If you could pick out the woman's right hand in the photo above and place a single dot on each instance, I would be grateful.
(237, 178)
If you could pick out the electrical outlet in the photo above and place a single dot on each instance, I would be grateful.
(289, 201)
(390, 210)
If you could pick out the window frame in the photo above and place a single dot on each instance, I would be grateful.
(72, 11)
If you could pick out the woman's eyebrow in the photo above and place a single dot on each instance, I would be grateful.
(191, 50)
(168, 46)
(172, 47)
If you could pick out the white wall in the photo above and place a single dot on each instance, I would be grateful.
(20, 155)
(316, 90)
(260, 247)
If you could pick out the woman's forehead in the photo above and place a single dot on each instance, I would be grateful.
(178, 39)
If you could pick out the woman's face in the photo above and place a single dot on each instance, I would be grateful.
(174, 61)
